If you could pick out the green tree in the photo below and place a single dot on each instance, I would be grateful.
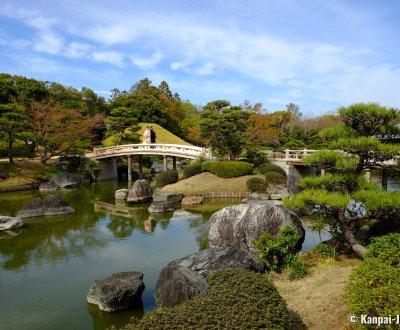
(222, 125)
(13, 122)
(344, 200)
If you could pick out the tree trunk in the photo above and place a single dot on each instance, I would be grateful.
(351, 239)
(10, 145)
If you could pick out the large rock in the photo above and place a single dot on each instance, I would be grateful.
(121, 194)
(192, 200)
(50, 205)
(185, 278)
(7, 223)
(167, 196)
(141, 192)
(239, 225)
(66, 180)
(161, 207)
(116, 292)
(256, 196)
(278, 192)
(48, 186)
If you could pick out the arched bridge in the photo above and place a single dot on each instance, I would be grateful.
(106, 157)
(170, 150)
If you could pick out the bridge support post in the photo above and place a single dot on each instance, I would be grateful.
(165, 161)
(384, 179)
(140, 161)
(108, 169)
(129, 169)
(368, 174)
(174, 163)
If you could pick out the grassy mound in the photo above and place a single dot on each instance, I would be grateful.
(208, 182)
(163, 136)
(239, 299)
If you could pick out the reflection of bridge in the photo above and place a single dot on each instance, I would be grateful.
(106, 156)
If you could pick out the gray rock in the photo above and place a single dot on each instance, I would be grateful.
(292, 183)
(117, 292)
(256, 196)
(278, 192)
(167, 196)
(66, 180)
(160, 207)
(48, 186)
(192, 200)
(50, 205)
(185, 278)
(141, 192)
(7, 223)
(121, 194)
(239, 225)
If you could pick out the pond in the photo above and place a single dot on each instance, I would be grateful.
(47, 267)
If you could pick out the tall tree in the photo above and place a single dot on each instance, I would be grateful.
(222, 126)
(57, 130)
(13, 122)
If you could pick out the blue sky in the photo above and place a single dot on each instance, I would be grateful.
(317, 54)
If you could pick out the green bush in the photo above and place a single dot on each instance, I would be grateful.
(191, 170)
(256, 184)
(255, 157)
(275, 178)
(268, 167)
(239, 299)
(166, 177)
(374, 286)
(227, 169)
(325, 251)
(49, 172)
(280, 253)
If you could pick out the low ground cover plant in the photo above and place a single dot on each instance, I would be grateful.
(239, 299)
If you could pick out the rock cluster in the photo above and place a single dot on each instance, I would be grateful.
(141, 192)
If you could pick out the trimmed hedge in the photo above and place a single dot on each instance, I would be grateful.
(239, 299)
(374, 286)
(268, 167)
(191, 170)
(166, 177)
(256, 184)
(275, 178)
(228, 169)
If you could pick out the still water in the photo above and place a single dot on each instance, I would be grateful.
(47, 267)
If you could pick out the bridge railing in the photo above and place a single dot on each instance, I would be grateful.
(297, 154)
(167, 149)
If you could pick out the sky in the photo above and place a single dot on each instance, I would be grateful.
(319, 55)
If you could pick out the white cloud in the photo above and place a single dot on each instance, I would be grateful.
(48, 42)
(146, 63)
(206, 69)
(111, 57)
(77, 50)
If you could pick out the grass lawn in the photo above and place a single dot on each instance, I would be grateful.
(317, 299)
(24, 172)
(208, 182)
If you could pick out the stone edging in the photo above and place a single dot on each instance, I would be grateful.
(221, 194)
(20, 187)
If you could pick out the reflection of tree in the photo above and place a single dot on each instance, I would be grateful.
(51, 239)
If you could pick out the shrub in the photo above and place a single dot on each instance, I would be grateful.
(280, 253)
(166, 177)
(239, 299)
(49, 172)
(275, 178)
(191, 170)
(325, 251)
(256, 184)
(255, 157)
(227, 169)
(374, 286)
(268, 167)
